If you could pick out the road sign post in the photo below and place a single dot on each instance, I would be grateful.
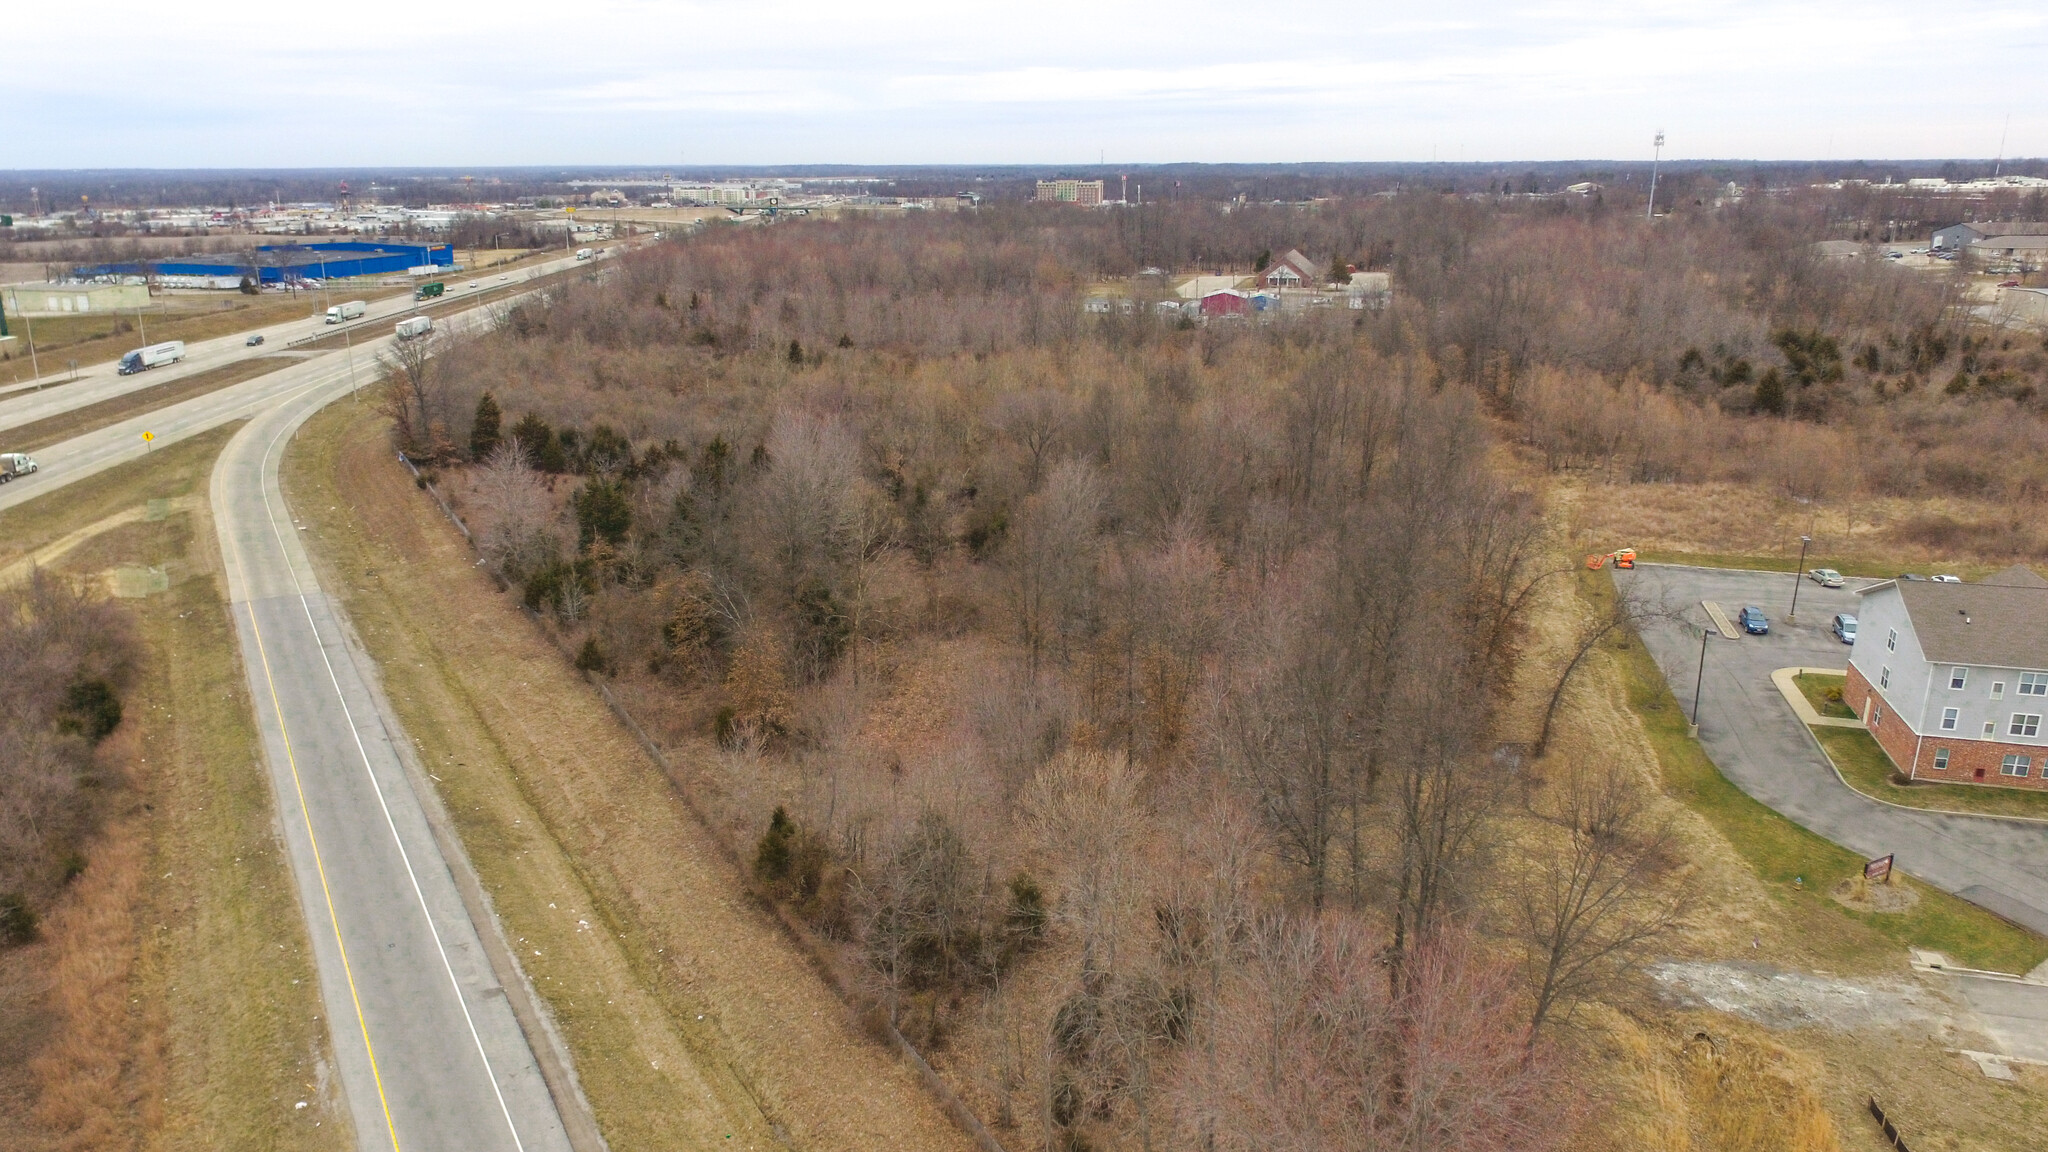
(146, 438)
(1879, 870)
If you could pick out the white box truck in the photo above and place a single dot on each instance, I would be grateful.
(413, 326)
(154, 356)
(348, 311)
(14, 464)
(583, 253)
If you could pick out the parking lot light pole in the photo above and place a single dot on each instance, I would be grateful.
(1700, 680)
(1798, 577)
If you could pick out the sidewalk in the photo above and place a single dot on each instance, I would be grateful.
(1797, 699)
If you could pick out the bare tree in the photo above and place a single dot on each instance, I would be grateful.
(1280, 722)
(1036, 422)
(1590, 903)
(514, 514)
(1051, 564)
(1624, 613)
(415, 397)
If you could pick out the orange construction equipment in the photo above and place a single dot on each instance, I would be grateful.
(1622, 557)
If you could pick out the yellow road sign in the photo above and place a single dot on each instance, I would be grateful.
(147, 436)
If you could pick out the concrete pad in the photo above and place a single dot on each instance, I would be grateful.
(1721, 622)
(2014, 1012)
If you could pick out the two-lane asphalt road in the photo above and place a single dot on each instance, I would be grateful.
(1756, 741)
(430, 1053)
(434, 1050)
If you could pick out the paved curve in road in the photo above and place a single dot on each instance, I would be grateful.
(1756, 741)
(430, 1053)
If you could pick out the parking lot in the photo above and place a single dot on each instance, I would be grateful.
(1757, 742)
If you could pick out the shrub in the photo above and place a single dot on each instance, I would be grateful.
(17, 920)
(591, 658)
(91, 709)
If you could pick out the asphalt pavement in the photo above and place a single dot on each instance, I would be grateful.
(430, 1053)
(431, 1045)
(1757, 742)
(26, 403)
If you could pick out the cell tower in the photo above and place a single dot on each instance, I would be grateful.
(1650, 213)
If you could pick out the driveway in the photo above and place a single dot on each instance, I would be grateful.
(1756, 741)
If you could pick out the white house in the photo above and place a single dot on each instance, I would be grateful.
(1952, 679)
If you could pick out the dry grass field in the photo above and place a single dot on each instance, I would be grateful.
(170, 1002)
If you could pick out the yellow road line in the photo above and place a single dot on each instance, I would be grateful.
(320, 866)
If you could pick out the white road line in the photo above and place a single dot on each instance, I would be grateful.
(263, 465)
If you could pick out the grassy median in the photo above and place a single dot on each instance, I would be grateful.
(177, 1005)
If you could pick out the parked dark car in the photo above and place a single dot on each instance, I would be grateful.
(1755, 622)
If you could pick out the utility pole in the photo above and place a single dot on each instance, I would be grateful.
(1650, 212)
(1700, 681)
(1798, 578)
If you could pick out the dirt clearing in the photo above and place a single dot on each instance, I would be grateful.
(690, 1015)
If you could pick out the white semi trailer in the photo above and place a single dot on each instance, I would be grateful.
(348, 311)
(154, 356)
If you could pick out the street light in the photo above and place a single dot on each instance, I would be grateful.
(1798, 577)
(1700, 680)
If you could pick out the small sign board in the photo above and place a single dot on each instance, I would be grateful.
(1878, 869)
(147, 436)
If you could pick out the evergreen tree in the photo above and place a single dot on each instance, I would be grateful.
(602, 511)
(483, 431)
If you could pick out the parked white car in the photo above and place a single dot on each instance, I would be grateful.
(1826, 577)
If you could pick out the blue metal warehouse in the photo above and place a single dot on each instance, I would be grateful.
(281, 263)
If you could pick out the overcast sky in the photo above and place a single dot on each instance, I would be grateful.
(382, 82)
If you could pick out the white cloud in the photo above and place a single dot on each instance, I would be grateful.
(243, 82)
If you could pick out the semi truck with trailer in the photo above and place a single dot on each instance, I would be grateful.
(413, 326)
(349, 311)
(429, 291)
(154, 356)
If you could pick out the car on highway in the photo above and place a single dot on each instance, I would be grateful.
(1945, 578)
(472, 283)
(1844, 628)
(1755, 622)
(1826, 577)
(253, 341)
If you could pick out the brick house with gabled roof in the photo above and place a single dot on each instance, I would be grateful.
(1291, 270)
(1952, 679)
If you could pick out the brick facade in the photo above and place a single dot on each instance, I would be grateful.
(1970, 761)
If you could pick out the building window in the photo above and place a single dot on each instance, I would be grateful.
(1941, 759)
(2015, 765)
(1948, 719)
(1891, 640)
(1957, 677)
(2034, 683)
(1990, 729)
(1876, 715)
(2024, 724)
(1884, 678)
(1998, 689)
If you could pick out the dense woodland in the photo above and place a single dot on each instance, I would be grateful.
(1133, 703)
